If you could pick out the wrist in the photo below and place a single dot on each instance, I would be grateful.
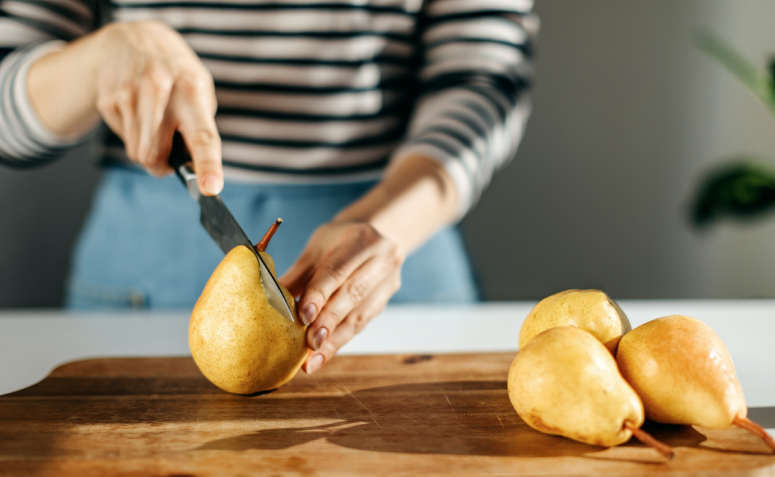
(62, 87)
(374, 210)
(415, 199)
(91, 54)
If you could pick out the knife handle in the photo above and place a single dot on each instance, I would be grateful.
(179, 155)
(179, 159)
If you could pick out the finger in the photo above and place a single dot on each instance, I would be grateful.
(161, 144)
(335, 268)
(300, 273)
(353, 291)
(204, 145)
(126, 107)
(155, 92)
(194, 110)
(112, 116)
(353, 324)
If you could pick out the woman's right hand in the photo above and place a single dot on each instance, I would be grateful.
(146, 83)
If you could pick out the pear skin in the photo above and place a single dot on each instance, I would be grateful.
(566, 382)
(590, 310)
(683, 373)
(238, 340)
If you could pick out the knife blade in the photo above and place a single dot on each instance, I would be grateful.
(222, 226)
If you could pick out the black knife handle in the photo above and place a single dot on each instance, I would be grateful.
(179, 155)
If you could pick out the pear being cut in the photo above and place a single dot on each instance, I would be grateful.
(238, 340)
(590, 310)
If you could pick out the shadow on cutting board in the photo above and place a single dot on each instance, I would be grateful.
(453, 418)
(145, 408)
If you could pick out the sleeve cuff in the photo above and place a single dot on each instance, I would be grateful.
(28, 117)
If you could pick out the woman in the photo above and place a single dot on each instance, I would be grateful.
(369, 126)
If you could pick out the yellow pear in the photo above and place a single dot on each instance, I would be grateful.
(238, 340)
(684, 374)
(566, 382)
(590, 310)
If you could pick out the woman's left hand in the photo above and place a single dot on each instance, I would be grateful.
(345, 276)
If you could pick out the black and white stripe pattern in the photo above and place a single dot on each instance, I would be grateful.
(316, 90)
(24, 142)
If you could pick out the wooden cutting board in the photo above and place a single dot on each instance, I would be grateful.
(360, 415)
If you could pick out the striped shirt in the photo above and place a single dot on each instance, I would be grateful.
(313, 90)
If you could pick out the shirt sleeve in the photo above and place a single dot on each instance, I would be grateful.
(472, 106)
(30, 29)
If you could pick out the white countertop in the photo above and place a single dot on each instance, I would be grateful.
(34, 342)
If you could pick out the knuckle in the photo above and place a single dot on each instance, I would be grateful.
(157, 77)
(358, 320)
(336, 269)
(333, 314)
(356, 290)
(195, 84)
(344, 333)
(314, 295)
(204, 138)
(329, 349)
(122, 96)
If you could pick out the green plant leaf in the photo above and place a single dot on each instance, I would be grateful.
(759, 82)
(737, 190)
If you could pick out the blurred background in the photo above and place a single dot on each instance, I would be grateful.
(628, 116)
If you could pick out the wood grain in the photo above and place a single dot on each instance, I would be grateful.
(360, 415)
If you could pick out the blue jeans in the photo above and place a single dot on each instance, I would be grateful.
(143, 246)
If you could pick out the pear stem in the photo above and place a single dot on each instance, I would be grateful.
(751, 426)
(649, 440)
(261, 246)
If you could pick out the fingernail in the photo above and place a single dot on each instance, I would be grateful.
(315, 362)
(213, 185)
(308, 314)
(320, 336)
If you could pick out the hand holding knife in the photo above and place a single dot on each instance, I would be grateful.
(221, 224)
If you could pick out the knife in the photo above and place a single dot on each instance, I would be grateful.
(222, 226)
